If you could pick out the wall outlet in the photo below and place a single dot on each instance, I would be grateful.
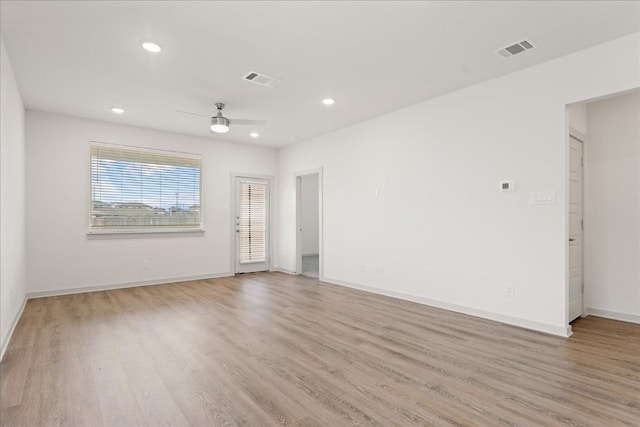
(506, 185)
(145, 264)
(510, 289)
(361, 267)
(379, 270)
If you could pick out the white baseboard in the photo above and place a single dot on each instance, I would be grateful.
(614, 315)
(106, 287)
(511, 320)
(7, 340)
(283, 270)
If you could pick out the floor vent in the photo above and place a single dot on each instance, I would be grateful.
(262, 79)
(516, 48)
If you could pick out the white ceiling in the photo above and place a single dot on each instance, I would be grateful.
(83, 57)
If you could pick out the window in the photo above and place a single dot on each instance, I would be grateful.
(139, 190)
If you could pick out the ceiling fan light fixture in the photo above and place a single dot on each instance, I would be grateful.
(219, 124)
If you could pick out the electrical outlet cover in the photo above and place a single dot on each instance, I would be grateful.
(506, 185)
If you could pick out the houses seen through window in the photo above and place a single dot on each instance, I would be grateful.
(134, 189)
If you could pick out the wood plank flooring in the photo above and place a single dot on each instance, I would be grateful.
(273, 349)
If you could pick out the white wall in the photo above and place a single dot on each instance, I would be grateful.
(578, 117)
(612, 207)
(62, 257)
(12, 200)
(309, 206)
(439, 231)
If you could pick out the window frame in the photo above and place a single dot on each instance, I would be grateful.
(234, 263)
(93, 231)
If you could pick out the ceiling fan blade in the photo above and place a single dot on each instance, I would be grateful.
(247, 122)
(192, 114)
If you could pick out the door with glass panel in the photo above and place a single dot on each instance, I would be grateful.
(252, 225)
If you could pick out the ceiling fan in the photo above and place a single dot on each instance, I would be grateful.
(220, 124)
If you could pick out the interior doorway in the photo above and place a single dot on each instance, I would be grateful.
(603, 208)
(309, 224)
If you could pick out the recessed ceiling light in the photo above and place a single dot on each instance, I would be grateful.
(151, 47)
(117, 110)
(254, 134)
(328, 101)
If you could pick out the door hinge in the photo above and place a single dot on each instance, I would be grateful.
(582, 224)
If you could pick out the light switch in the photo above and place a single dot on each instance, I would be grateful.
(542, 197)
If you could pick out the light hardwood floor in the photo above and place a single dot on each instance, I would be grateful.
(272, 349)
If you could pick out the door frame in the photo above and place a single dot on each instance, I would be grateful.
(232, 218)
(581, 137)
(298, 230)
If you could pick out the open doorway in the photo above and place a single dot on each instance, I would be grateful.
(308, 224)
(604, 208)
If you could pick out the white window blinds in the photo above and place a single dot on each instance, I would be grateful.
(135, 189)
(252, 222)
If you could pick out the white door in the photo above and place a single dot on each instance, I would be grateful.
(575, 229)
(252, 225)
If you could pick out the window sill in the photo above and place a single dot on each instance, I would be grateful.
(170, 231)
(257, 261)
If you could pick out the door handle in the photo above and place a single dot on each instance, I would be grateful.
(571, 239)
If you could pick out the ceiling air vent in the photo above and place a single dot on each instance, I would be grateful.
(516, 48)
(262, 79)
